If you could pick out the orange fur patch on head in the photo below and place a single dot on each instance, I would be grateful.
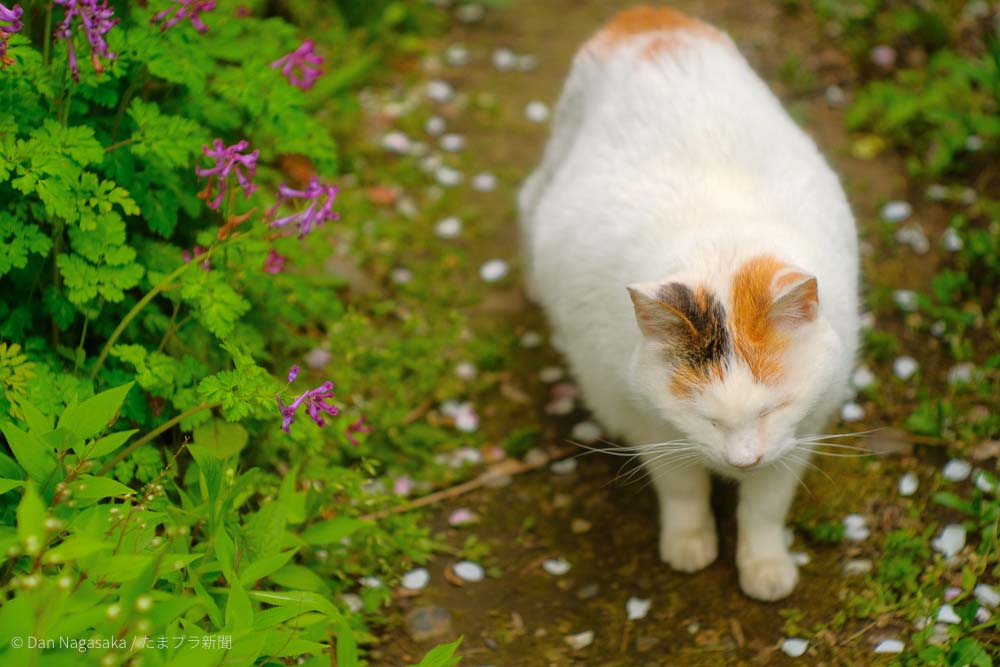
(644, 20)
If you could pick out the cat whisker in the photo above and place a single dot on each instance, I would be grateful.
(796, 476)
(656, 464)
(809, 464)
(838, 455)
(818, 437)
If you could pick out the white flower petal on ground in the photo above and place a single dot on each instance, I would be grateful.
(494, 270)
(484, 182)
(439, 91)
(950, 541)
(983, 615)
(835, 96)
(858, 566)
(448, 177)
(986, 595)
(896, 211)
(318, 358)
(466, 570)
(951, 240)
(371, 582)
(531, 339)
(467, 422)
(452, 142)
(416, 579)
(586, 432)
(800, 558)
(961, 373)
(353, 602)
(905, 367)
(914, 237)
(890, 646)
(401, 276)
(908, 484)
(855, 528)
(906, 299)
(956, 470)
(465, 370)
(580, 641)
(461, 517)
(862, 378)
(396, 142)
(448, 228)
(852, 412)
(946, 614)
(794, 647)
(564, 467)
(504, 59)
(936, 192)
(457, 55)
(465, 455)
(985, 482)
(556, 566)
(536, 112)
(472, 12)
(435, 126)
(551, 374)
(637, 608)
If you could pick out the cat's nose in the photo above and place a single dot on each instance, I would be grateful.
(742, 459)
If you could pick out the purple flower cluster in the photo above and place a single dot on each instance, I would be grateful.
(357, 427)
(314, 399)
(228, 159)
(184, 9)
(97, 20)
(197, 252)
(12, 17)
(319, 206)
(306, 60)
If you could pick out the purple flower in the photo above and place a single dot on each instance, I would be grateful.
(317, 211)
(184, 9)
(274, 263)
(293, 373)
(314, 399)
(357, 427)
(228, 159)
(306, 60)
(198, 252)
(12, 17)
(97, 20)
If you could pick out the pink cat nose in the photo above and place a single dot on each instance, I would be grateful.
(742, 459)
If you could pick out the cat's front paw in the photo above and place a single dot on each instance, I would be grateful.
(769, 578)
(689, 552)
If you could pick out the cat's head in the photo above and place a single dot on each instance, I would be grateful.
(736, 362)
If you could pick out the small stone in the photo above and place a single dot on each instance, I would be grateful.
(457, 55)
(448, 228)
(637, 608)
(531, 339)
(472, 12)
(986, 595)
(439, 91)
(794, 647)
(862, 378)
(416, 579)
(951, 240)
(556, 566)
(961, 373)
(908, 484)
(896, 211)
(564, 467)
(852, 412)
(905, 367)
(855, 528)
(883, 56)
(484, 182)
(950, 541)
(906, 300)
(465, 370)
(396, 142)
(318, 358)
(463, 516)
(447, 176)
(435, 126)
(580, 641)
(946, 614)
(536, 112)
(835, 96)
(586, 432)
(504, 59)
(800, 558)
(956, 470)
(468, 571)
(890, 646)
(857, 566)
(494, 270)
(551, 374)
(453, 143)
(427, 622)
(580, 526)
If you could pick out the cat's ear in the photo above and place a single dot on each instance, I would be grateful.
(660, 311)
(795, 297)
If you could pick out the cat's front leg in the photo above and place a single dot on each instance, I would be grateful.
(688, 541)
(767, 571)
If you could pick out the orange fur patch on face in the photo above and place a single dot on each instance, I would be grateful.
(642, 20)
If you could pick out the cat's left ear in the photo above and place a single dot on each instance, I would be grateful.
(795, 297)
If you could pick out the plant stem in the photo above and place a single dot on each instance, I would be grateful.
(119, 144)
(154, 433)
(47, 37)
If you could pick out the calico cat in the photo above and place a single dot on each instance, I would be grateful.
(698, 262)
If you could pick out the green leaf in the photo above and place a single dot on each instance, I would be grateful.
(37, 422)
(96, 488)
(225, 553)
(94, 415)
(31, 516)
(441, 656)
(264, 567)
(239, 610)
(347, 647)
(223, 439)
(111, 442)
(329, 531)
(33, 455)
(8, 484)
(302, 600)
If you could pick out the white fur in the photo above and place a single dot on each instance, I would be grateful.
(678, 168)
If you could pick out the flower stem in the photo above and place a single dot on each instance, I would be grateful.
(154, 433)
(47, 36)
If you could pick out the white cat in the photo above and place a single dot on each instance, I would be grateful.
(673, 176)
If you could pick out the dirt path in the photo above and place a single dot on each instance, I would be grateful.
(520, 614)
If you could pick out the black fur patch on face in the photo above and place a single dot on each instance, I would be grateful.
(696, 336)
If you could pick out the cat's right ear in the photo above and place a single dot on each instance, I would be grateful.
(662, 310)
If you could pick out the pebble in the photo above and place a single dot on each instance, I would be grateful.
(564, 467)
(318, 358)
(416, 579)
(452, 143)
(858, 566)
(951, 240)
(494, 270)
(986, 595)
(956, 470)
(589, 591)
(536, 112)
(896, 211)
(637, 608)
(586, 432)
(447, 176)
(905, 367)
(531, 339)
(435, 126)
(794, 647)
(461, 517)
(852, 412)
(551, 374)
(855, 528)
(472, 12)
(468, 571)
(504, 59)
(465, 370)
(424, 623)
(908, 484)
(890, 646)
(961, 373)
(457, 55)
(439, 91)
(862, 378)
(484, 182)
(950, 541)
(556, 566)
(581, 640)
(448, 228)
(946, 614)
(396, 142)
(906, 299)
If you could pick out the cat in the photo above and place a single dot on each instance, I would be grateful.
(697, 260)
